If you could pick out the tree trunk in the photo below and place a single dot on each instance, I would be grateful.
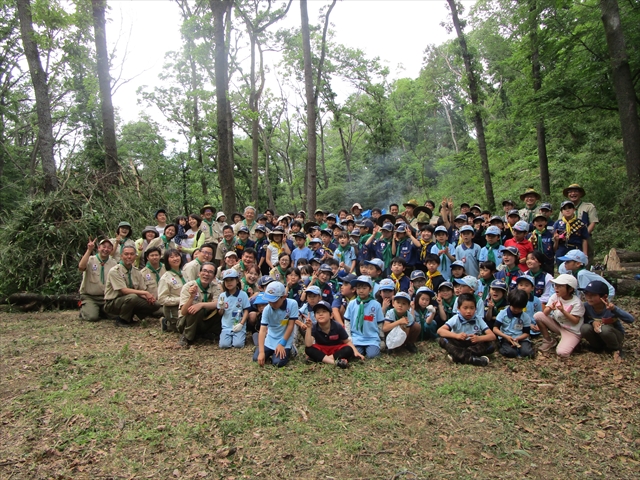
(477, 117)
(197, 128)
(543, 160)
(325, 179)
(41, 89)
(311, 110)
(225, 146)
(623, 86)
(112, 167)
(255, 125)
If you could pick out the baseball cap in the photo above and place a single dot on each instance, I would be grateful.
(402, 295)
(546, 206)
(322, 304)
(528, 278)
(426, 290)
(261, 228)
(514, 212)
(376, 262)
(387, 284)
(500, 284)
(467, 228)
(401, 228)
(388, 226)
(566, 279)
(325, 268)
(363, 279)
(243, 229)
(598, 287)
(446, 285)
(265, 280)
(441, 228)
(458, 263)
(230, 253)
(260, 300)
(313, 289)
(106, 240)
(274, 291)
(417, 274)
(470, 281)
(492, 230)
(566, 203)
(496, 218)
(355, 232)
(576, 256)
(315, 240)
(300, 235)
(521, 226)
(462, 218)
(349, 278)
(512, 250)
(229, 273)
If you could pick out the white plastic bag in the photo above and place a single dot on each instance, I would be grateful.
(396, 338)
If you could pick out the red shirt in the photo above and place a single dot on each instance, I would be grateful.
(524, 247)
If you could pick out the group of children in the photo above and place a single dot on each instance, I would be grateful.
(348, 287)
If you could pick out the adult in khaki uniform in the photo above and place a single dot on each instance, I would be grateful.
(169, 290)
(249, 222)
(165, 241)
(198, 307)
(142, 244)
(95, 269)
(122, 239)
(585, 211)
(227, 244)
(125, 292)
(530, 198)
(191, 270)
(152, 271)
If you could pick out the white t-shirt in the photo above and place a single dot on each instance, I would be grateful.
(188, 242)
(573, 306)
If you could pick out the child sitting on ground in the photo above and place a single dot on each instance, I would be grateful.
(425, 313)
(602, 327)
(446, 300)
(575, 262)
(434, 277)
(327, 341)
(513, 326)
(401, 316)
(564, 315)
(364, 314)
(487, 275)
(234, 305)
(457, 270)
(511, 271)
(496, 302)
(465, 337)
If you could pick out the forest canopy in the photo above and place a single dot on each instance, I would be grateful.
(529, 93)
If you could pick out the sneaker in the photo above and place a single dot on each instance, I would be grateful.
(120, 322)
(343, 363)
(411, 348)
(183, 342)
(163, 322)
(479, 361)
(547, 345)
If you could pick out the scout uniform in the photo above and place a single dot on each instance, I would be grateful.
(141, 244)
(92, 287)
(192, 325)
(125, 242)
(152, 278)
(191, 270)
(126, 306)
(251, 228)
(169, 289)
(163, 244)
(527, 214)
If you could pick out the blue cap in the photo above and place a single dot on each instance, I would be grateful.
(274, 292)
(446, 284)
(376, 262)
(229, 273)
(500, 284)
(401, 228)
(458, 263)
(493, 230)
(243, 229)
(512, 250)
(467, 228)
(513, 212)
(321, 304)
(261, 228)
(546, 206)
(300, 235)
(355, 232)
(417, 274)
(441, 229)
(387, 226)
(402, 295)
(462, 218)
(496, 218)
(265, 280)
(333, 216)
(325, 268)
(567, 203)
(363, 279)
(313, 289)
(470, 281)
(426, 290)
(521, 226)
(528, 278)
(327, 231)
(387, 284)
(576, 256)
(349, 278)
(260, 300)
(368, 224)
(315, 240)
(597, 287)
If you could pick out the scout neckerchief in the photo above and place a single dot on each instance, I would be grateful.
(387, 255)
(179, 275)
(363, 240)
(443, 258)
(277, 246)
(496, 305)
(240, 244)
(572, 225)
(397, 280)
(281, 272)
(486, 284)
(423, 250)
(536, 276)
(536, 240)
(511, 273)
(246, 285)
(398, 316)
(102, 264)
(210, 225)
(130, 284)
(492, 248)
(157, 272)
(243, 267)
(342, 250)
(359, 325)
(336, 285)
(244, 222)
(448, 305)
(228, 245)
(320, 285)
(575, 273)
(421, 316)
(165, 241)
(121, 243)
(293, 291)
(529, 214)
(205, 293)
(430, 277)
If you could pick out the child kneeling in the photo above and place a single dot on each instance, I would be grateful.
(513, 327)
(332, 344)
(465, 336)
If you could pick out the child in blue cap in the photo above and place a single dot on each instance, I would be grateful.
(401, 316)
(468, 252)
(513, 327)
(575, 263)
(364, 314)
(234, 305)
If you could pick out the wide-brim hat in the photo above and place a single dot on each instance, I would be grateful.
(356, 205)
(237, 213)
(309, 225)
(207, 207)
(149, 228)
(275, 231)
(573, 186)
(128, 225)
(422, 214)
(387, 217)
(411, 203)
(530, 191)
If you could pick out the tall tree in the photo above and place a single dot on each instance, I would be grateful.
(475, 101)
(41, 90)
(112, 167)
(623, 86)
(225, 134)
(311, 173)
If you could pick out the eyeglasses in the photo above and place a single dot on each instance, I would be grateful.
(206, 254)
(208, 272)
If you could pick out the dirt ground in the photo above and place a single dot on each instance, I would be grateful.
(82, 400)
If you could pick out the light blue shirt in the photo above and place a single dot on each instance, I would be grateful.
(347, 257)
(305, 310)
(369, 335)
(234, 306)
(458, 324)
(585, 277)
(484, 255)
(445, 262)
(277, 322)
(513, 325)
(469, 256)
(298, 253)
(391, 316)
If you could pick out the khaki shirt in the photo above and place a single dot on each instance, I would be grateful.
(157, 242)
(527, 215)
(151, 284)
(213, 292)
(222, 249)
(585, 211)
(91, 284)
(213, 234)
(118, 279)
(169, 290)
(191, 270)
(252, 230)
(118, 248)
